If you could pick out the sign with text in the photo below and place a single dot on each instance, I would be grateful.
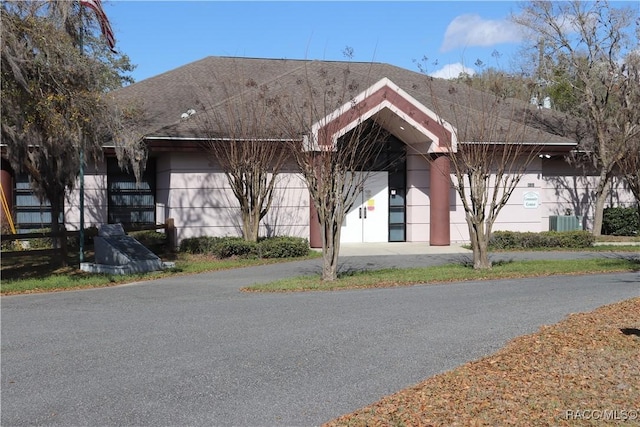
(531, 200)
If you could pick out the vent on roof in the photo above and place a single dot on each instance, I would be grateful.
(190, 112)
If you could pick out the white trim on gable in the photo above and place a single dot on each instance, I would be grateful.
(385, 82)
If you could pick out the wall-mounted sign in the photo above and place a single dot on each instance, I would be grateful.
(531, 200)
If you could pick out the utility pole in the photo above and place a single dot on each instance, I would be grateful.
(107, 32)
(81, 173)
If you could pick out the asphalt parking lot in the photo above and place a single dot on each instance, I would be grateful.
(193, 350)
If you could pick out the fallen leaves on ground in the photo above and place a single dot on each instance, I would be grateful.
(584, 370)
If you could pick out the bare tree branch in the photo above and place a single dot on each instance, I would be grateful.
(489, 155)
(585, 46)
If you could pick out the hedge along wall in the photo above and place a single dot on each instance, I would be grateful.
(621, 222)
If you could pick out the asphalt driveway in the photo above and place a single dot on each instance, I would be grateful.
(195, 351)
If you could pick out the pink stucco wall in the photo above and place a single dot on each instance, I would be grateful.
(95, 199)
(565, 189)
(418, 202)
(556, 183)
(197, 196)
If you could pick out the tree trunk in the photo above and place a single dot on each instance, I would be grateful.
(479, 245)
(602, 192)
(330, 251)
(60, 234)
(254, 226)
(250, 226)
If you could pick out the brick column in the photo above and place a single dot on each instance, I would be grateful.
(440, 221)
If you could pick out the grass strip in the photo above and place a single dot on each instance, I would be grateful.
(596, 248)
(614, 248)
(71, 278)
(449, 273)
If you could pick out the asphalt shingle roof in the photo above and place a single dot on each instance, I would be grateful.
(208, 84)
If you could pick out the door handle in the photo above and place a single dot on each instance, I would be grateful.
(360, 213)
(365, 212)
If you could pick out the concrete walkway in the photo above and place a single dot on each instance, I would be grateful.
(399, 248)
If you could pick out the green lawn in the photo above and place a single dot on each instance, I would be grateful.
(450, 273)
(35, 274)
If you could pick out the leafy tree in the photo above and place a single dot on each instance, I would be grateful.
(582, 49)
(56, 74)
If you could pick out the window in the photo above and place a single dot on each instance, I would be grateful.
(131, 203)
(30, 214)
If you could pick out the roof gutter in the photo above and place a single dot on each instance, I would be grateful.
(171, 138)
(557, 144)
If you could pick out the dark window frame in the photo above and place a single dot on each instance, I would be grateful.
(122, 190)
(27, 204)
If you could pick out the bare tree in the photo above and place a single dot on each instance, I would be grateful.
(582, 46)
(489, 152)
(629, 167)
(629, 164)
(239, 140)
(335, 166)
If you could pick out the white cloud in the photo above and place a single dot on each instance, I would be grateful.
(452, 71)
(472, 30)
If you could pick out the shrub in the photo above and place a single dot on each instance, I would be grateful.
(621, 222)
(545, 239)
(152, 239)
(568, 239)
(148, 237)
(503, 240)
(283, 247)
(7, 245)
(199, 245)
(227, 247)
(90, 233)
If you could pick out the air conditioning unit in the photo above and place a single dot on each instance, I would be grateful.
(565, 223)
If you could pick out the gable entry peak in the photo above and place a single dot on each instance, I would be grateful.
(395, 110)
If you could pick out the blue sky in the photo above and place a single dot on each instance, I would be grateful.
(159, 36)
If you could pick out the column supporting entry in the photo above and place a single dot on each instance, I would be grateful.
(440, 188)
(315, 234)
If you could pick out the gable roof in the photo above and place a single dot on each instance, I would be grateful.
(207, 84)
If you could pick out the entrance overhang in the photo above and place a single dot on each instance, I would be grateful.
(410, 121)
(392, 108)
